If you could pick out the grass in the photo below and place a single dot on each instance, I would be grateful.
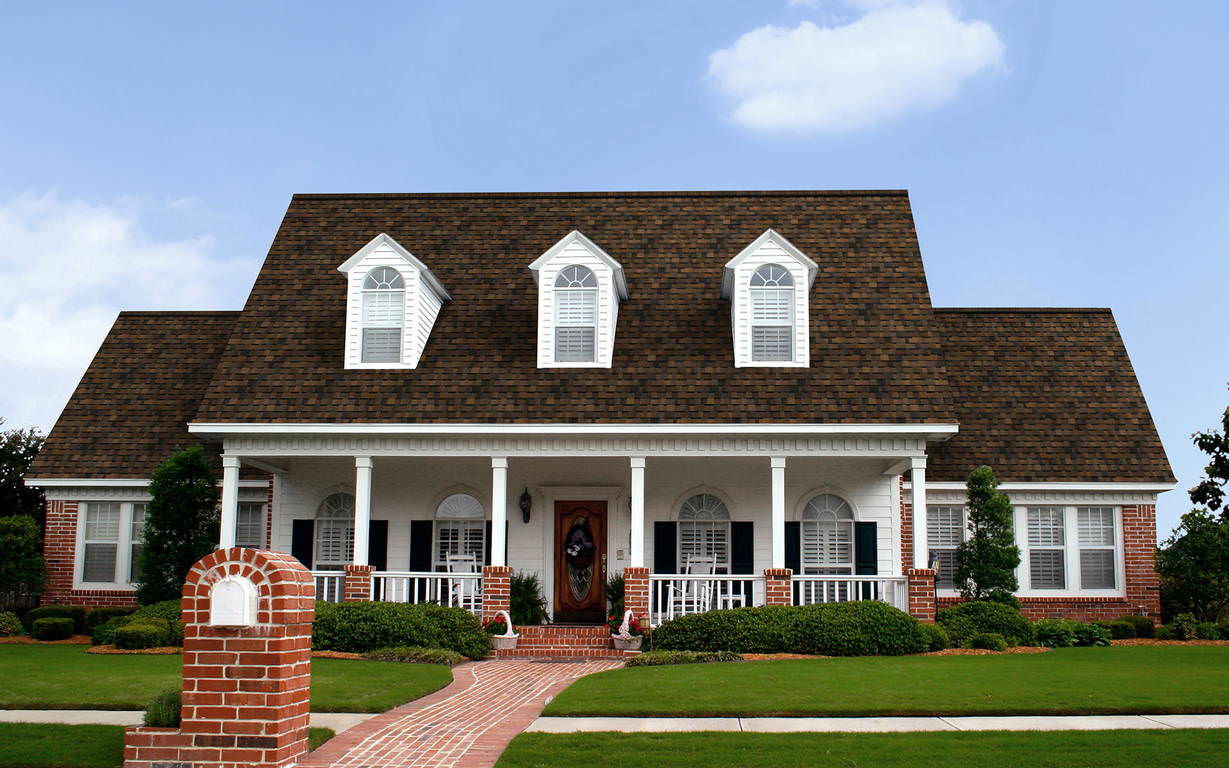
(66, 677)
(1056, 749)
(1119, 680)
(317, 736)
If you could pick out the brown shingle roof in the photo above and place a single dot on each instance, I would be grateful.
(1045, 395)
(875, 353)
(131, 408)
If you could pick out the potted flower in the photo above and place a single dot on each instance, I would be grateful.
(626, 632)
(499, 627)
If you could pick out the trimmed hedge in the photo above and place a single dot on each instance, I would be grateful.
(163, 710)
(100, 616)
(664, 658)
(52, 628)
(1142, 624)
(1066, 633)
(989, 641)
(415, 655)
(143, 633)
(154, 626)
(865, 628)
(369, 626)
(1118, 629)
(74, 612)
(1207, 630)
(976, 617)
(9, 624)
(937, 638)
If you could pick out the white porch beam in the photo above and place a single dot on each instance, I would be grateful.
(499, 510)
(362, 509)
(921, 548)
(778, 511)
(230, 501)
(637, 560)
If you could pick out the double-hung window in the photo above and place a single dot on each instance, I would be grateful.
(772, 314)
(110, 554)
(250, 525)
(944, 533)
(1047, 541)
(575, 315)
(383, 315)
(1097, 547)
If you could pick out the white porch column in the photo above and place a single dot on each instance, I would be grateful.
(778, 511)
(637, 560)
(921, 548)
(499, 511)
(362, 509)
(230, 501)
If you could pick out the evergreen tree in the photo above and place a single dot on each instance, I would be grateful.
(1211, 489)
(1194, 567)
(181, 524)
(18, 447)
(22, 569)
(987, 559)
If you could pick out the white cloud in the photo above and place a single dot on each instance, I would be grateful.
(66, 269)
(895, 58)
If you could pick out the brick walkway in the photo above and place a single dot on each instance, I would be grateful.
(466, 725)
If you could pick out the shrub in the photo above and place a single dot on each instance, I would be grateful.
(525, 602)
(990, 641)
(416, 655)
(1091, 635)
(52, 628)
(1184, 626)
(167, 609)
(104, 634)
(365, 626)
(1164, 632)
(976, 617)
(74, 612)
(1118, 629)
(181, 523)
(100, 616)
(1224, 630)
(9, 624)
(143, 633)
(163, 710)
(867, 628)
(1207, 630)
(1143, 625)
(662, 658)
(22, 568)
(936, 636)
(1054, 633)
(615, 588)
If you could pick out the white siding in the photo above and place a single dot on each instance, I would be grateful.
(769, 253)
(421, 308)
(607, 306)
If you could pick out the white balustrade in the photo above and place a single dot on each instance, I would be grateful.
(459, 590)
(811, 589)
(330, 585)
(676, 594)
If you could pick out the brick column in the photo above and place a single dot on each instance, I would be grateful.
(778, 590)
(1143, 586)
(246, 678)
(921, 585)
(356, 584)
(496, 589)
(60, 550)
(636, 591)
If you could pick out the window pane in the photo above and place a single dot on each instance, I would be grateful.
(944, 526)
(772, 305)
(1096, 526)
(137, 526)
(102, 522)
(574, 345)
(1046, 569)
(945, 560)
(249, 525)
(772, 343)
(99, 563)
(702, 538)
(460, 537)
(574, 307)
(383, 308)
(1097, 568)
(1045, 527)
(381, 345)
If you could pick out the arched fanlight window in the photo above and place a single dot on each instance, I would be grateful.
(827, 535)
(575, 315)
(460, 530)
(383, 315)
(704, 531)
(335, 532)
(772, 314)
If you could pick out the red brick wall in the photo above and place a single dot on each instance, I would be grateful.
(496, 590)
(778, 588)
(1139, 546)
(60, 551)
(906, 534)
(356, 583)
(921, 586)
(636, 592)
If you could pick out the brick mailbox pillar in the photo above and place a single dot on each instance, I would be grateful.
(636, 592)
(778, 588)
(356, 583)
(246, 667)
(921, 586)
(496, 590)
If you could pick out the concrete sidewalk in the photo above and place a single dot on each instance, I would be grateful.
(338, 721)
(873, 724)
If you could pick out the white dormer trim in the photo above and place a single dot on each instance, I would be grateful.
(423, 297)
(769, 248)
(576, 249)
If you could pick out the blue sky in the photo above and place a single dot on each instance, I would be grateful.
(1057, 153)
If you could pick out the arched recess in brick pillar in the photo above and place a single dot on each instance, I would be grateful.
(246, 666)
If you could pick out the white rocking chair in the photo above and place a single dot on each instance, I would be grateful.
(693, 596)
(463, 592)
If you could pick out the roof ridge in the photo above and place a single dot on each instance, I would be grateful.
(194, 312)
(1023, 310)
(608, 193)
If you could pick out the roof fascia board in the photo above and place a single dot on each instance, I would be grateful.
(951, 485)
(727, 277)
(932, 431)
(385, 239)
(576, 236)
(110, 482)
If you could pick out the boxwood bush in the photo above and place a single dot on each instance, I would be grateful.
(1118, 629)
(9, 624)
(989, 641)
(100, 616)
(367, 626)
(976, 617)
(867, 628)
(143, 633)
(74, 612)
(415, 655)
(52, 628)
(160, 626)
(937, 638)
(663, 658)
(1207, 630)
(1143, 625)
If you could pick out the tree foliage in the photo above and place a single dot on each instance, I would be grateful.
(22, 569)
(1193, 564)
(1210, 491)
(987, 559)
(181, 524)
(18, 447)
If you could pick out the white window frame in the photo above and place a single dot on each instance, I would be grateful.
(463, 513)
(935, 545)
(574, 249)
(588, 295)
(708, 518)
(1071, 553)
(248, 508)
(1083, 546)
(782, 292)
(395, 293)
(333, 521)
(769, 248)
(123, 547)
(811, 522)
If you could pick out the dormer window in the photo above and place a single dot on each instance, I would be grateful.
(383, 315)
(575, 315)
(579, 290)
(768, 286)
(772, 314)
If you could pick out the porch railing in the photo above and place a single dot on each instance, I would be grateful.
(329, 585)
(810, 589)
(460, 590)
(675, 594)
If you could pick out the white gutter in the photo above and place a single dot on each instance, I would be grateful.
(935, 431)
(1058, 486)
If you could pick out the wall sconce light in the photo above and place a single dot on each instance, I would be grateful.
(526, 504)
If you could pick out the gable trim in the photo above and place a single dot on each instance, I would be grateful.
(384, 239)
(770, 234)
(576, 236)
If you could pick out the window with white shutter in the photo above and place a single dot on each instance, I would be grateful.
(460, 529)
(1047, 548)
(250, 525)
(335, 532)
(575, 315)
(827, 535)
(945, 530)
(704, 531)
(1098, 544)
(383, 315)
(772, 314)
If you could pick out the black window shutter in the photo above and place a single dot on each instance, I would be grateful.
(377, 544)
(793, 546)
(866, 551)
(303, 541)
(665, 546)
(422, 534)
(742, 539)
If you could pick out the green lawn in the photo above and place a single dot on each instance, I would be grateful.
(1062, 749)
(1156, 679)
(66, 677)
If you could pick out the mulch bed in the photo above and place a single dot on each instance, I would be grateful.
(27, 640)
(168, 650)
(1154, 641)
(335, 655)
(771, 656)
(985, 652)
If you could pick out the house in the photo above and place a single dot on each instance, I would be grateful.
(731, 398)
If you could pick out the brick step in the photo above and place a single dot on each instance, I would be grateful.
(564, 653)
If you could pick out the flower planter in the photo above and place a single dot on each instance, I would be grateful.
(626, 643)
(504, 643)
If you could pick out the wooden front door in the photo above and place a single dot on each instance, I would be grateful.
(580, 561)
